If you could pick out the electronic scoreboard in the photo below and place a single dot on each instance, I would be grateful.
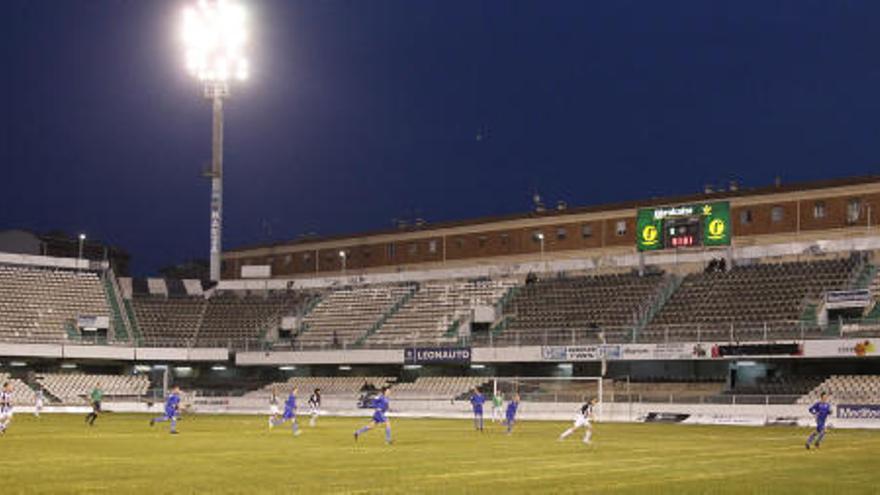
(706, 224)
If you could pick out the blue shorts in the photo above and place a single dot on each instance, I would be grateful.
(511, 419)
(478, 410)
(170, 413)
(379, 417)
(288, 414)
(820, 426)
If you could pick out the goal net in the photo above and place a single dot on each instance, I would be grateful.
(552, 394)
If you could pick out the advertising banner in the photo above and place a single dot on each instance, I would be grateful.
(842, 348)
(858, 411)
(437, 355)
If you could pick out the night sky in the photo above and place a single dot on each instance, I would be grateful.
(360, 111)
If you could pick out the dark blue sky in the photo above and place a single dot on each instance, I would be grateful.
(359, 111)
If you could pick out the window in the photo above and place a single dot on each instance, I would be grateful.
(482, 240)
(413, 249)
(392, 250)
(505, 239)
(459, 243)
(777, 214)
(621, 228)
(307, 257)
(745, 217)
(586, 231)
(853, 210)
(432, 246)
(561, 233)
(288, 260)
(819, 209)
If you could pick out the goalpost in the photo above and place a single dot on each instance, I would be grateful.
(558, 394)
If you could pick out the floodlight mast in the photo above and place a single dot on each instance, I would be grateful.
(214, 34)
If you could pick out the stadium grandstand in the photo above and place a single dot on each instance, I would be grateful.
(756, 300)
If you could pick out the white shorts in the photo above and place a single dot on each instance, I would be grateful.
(5, 416)
(273, 410)
(314, 410)
(580, 420)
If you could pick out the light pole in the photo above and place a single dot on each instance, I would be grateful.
(82, 240)
(541, 240)
(215, 37)
(343, 256)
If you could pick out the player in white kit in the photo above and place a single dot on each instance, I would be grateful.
(38, 402)
(314, 406)
(274, 411)
(583, 419)
(5, 407)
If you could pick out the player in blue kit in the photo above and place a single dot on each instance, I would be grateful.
(172, 405)
(289, 413)
(477, 400)
(510, 416)
(821, 410)
(380, 405)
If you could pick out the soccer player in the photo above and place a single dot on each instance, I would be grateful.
(380, 404)
(172, 405)
(314, 406)
(477, 401)
(273, 408)
(497, 405)
(289, 413)
(510, 418)
(5, 407)
(38, 402)
(821, 410)
(583, 418)
(95, 398)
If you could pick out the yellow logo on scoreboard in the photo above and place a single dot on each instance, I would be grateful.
(717, 229)
(650, 236)
(707, 210)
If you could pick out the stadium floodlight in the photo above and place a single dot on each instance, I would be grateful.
(215, 39)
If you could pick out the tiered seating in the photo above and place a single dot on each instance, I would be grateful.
(591, 303)
(22, 395)
(847, 389)
(346, 315)
(233, 317)
(347, 386)
(663, 390)
(428, 315)
(433, 387)
(74, 388)
(784, 385)
(746, 297)
(168, 320)
(36, 303)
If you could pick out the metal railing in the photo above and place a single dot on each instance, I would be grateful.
(667, 334)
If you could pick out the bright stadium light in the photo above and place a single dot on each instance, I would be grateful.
(215, 39)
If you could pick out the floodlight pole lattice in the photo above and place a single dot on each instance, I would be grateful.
(216, 92)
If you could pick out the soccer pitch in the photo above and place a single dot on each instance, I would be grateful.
(239, 454)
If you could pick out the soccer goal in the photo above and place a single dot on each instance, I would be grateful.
(552, 394)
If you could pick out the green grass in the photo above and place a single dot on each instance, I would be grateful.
(238, 454)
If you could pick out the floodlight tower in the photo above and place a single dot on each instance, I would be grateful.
(215, 38)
